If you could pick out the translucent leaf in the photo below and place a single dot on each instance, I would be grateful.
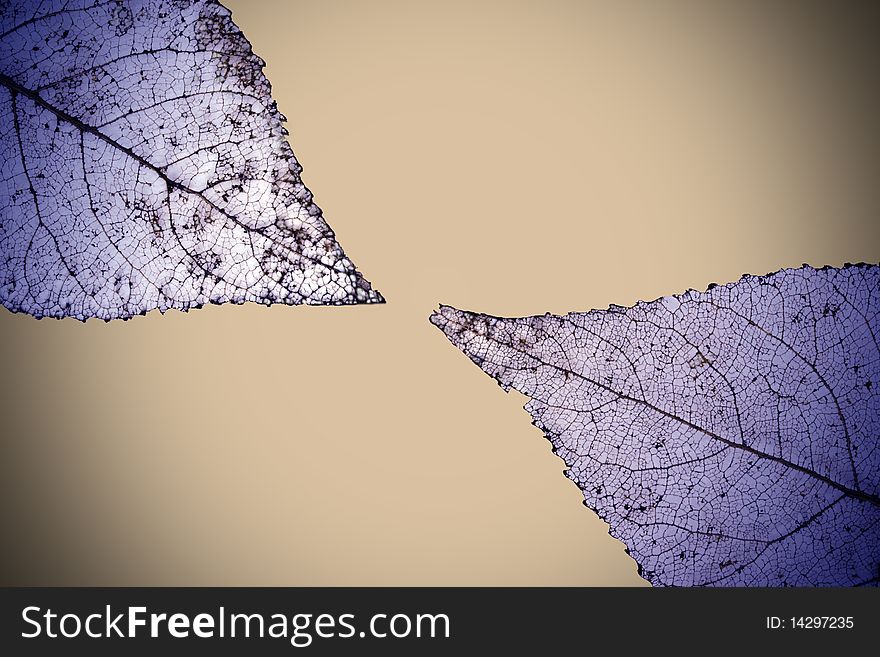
(728, 437)
(145, 165)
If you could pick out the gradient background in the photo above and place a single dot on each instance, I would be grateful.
(507, 157)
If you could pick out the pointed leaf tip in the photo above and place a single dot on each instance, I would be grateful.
(728, 437)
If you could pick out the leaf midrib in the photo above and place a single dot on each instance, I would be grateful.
(36, 98)
(856, 494)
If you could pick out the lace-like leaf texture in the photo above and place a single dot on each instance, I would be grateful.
(730, 437)
(145, 165)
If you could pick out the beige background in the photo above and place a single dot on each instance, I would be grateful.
(509, 157)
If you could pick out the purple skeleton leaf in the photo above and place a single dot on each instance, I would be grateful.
(728, 437)
(145, 165)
